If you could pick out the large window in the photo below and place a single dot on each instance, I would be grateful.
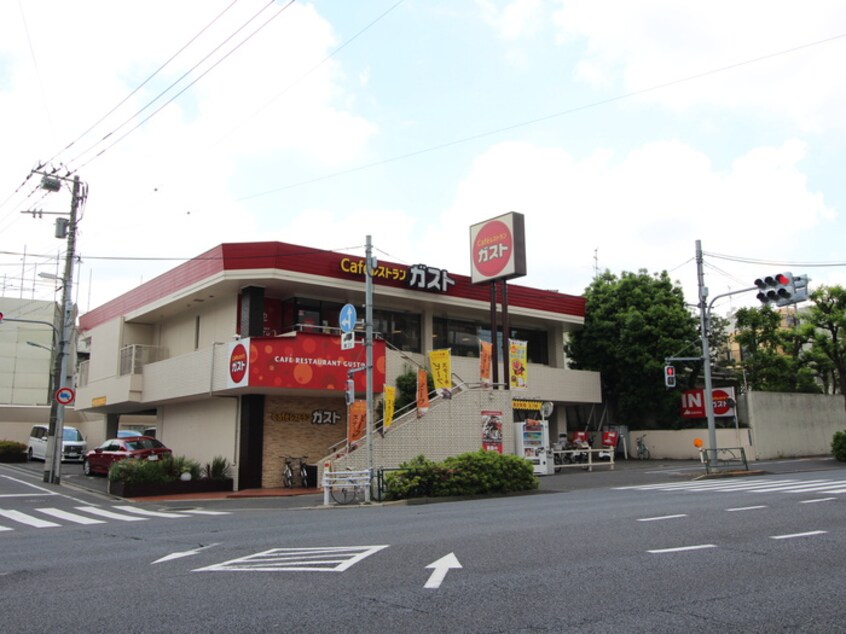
(401, 330)
(462, 338)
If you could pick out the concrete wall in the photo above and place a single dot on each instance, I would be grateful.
(200, 430)
(791, 425)
(668, 444)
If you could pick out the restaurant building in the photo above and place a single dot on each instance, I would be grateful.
(237, 353)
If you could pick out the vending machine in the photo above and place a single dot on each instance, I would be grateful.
(532, 443)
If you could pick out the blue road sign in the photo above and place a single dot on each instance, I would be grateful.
(348, 318)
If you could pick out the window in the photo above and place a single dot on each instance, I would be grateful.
(401, 330)
(463, 337)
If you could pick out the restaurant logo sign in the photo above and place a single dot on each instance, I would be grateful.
(498, 248)
(418, 277)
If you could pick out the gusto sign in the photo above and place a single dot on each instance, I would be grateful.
(498, 248)
(239, 363)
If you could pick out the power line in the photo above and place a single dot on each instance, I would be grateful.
(562, 113)
(745, 260)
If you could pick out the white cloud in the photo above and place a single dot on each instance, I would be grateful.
(647, 44)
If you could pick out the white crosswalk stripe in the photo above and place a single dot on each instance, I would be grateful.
(89, 515)
(750, 485)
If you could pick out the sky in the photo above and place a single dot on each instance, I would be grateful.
(624, 132)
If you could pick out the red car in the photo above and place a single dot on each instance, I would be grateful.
(141, 447)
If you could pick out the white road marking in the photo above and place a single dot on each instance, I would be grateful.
(42, 490)
(109, 514)
(139, 511)
(662, 517)
(204, 512)
(816, 500)
(328, 559)
(186, 553)
(29, 520)
(660, 551)
(808, 534)
(70, 517)
(746, 508)
(440, 568)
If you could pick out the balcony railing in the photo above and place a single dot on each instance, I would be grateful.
(133, 358)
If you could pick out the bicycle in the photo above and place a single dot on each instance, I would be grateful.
(288, 473)
(348, 486)
(642, 449)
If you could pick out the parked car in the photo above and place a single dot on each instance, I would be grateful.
(141, 447)
(73, 444)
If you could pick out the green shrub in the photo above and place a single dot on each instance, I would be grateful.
(475, 473)
(838, 446)
(177, 465)
(11, 448)
(134, 471)
(218, 469)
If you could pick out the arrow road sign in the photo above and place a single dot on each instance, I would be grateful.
(441, 567)
(348, 318)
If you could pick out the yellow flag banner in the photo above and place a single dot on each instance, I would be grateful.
(358, 421)
(422, 392)
(441, 364)
(389, 399)
(517, 364)
(485, 356)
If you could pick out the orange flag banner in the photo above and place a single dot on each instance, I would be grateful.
(485, 363)
(422, 392)
(358, 421)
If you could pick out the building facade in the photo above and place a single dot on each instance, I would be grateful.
(237, 352)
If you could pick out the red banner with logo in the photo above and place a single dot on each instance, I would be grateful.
(311, 361)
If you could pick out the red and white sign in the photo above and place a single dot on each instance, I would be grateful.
(65, 396)
(239, 364)
(693, 402)
(498, 248)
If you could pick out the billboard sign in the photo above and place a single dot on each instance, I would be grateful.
(693, 402)
(498, 248)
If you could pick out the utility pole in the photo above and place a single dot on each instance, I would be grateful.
(56, 429)
(706, 351)
(370, 264)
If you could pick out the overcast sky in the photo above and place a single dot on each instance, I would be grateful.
(623, 131)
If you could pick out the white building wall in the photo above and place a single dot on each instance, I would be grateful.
(200, 430)
(24, 368)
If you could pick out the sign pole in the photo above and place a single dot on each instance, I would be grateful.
(368, 347)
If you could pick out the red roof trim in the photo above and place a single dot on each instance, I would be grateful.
(307, 260)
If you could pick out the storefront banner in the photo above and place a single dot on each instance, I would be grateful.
(441, 364)
(311, 361)
(517, 364)
(485, 363)
(422, 392)
(492, 431)
(389, 398)
(358, 421)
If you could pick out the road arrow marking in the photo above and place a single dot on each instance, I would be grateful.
(186, 553)
(441, 567)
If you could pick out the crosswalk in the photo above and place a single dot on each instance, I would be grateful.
(747, 485)
(52, 517)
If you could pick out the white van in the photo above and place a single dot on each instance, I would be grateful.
(74, 446)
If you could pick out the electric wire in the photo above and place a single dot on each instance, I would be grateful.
(144, 83)
(745, 260)
(183, 90)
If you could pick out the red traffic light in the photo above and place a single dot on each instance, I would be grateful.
(781, 278)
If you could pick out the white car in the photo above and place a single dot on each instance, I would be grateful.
(74, 446)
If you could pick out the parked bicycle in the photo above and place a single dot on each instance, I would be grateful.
(288, 472)
(346, 487)
(642, 449)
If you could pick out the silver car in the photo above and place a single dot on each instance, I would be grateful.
(74, 446)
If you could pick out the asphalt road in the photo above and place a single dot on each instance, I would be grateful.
(651, 552)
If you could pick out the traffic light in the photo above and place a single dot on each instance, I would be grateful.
(776, 288)
(669, 376)
(800, 291)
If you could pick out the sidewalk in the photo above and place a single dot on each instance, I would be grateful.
(626, 472)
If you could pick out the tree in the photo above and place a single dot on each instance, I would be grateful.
(828, 316)
(633, 323)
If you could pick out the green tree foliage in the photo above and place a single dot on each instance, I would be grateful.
(827, 316)
(633, 323)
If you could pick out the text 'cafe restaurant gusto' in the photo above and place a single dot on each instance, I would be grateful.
(237, 353)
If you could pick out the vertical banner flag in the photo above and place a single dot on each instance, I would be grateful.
(441, 364)
(358, 421)
(389, 398)
(492, 431)
(517, 364)
(422, 392)
(485, 356)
